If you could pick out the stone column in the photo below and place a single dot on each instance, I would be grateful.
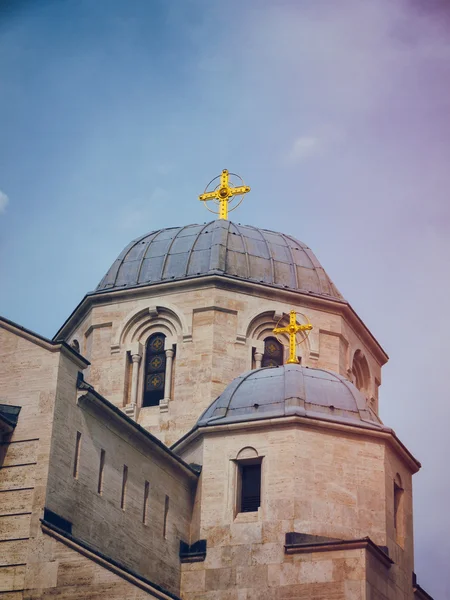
(136, 356)
(258, 360)
(258, 345)
(164, 404)
(136, 359)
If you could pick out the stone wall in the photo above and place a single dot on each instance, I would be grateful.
(111, 520)
(215, 329)
(329, 483)
(28, 375)
(37, 472)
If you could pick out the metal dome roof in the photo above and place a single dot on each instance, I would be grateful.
(219, 248)
(289, 390)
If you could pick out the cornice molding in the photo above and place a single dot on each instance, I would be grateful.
(323, 303)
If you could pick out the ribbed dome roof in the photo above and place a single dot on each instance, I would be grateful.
(219, 248)
(288, 390)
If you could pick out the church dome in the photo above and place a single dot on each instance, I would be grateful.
(219, 248)
(289, 390)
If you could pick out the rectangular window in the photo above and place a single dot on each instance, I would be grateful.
(124, 487)
(250, 487)
(145, 507)
(100, 472)
(76, 460)
(166, 512)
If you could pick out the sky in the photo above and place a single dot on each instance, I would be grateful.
(115, 114)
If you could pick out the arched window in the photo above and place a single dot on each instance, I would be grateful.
(155, 370)
(361, 372)
(273, 353)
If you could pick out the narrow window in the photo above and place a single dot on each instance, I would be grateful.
(155, 370)
(250, 487)
(273, 353)
(100, 472)
(166, 512)
(124, 487)
(76, 460)
(145, 507)
(398, 511)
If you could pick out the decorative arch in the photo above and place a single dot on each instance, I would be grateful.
(247, 453)
(137, 322)
(361, 372)
(132, 337)
(261, 327)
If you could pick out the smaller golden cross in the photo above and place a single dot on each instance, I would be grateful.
(223, 194)
(292, 329)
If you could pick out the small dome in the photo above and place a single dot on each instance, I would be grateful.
(289, 390)
(219, 248)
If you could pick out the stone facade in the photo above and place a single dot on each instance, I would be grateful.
(215, 327)
(62, 534)
(102, 497)
(334, 482)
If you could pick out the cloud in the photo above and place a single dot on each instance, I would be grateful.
(305, 147)
(3, 201)
(308, 146)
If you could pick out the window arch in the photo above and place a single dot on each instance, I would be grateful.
(155, 370)
(273, 353)
(398, 510)
(361, 372)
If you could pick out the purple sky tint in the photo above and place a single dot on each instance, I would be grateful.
(114, 115)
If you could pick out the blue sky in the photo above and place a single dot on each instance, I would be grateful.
(114, 115)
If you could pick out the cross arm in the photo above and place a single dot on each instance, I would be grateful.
(208, 196)
(242, 189)
(281, 330)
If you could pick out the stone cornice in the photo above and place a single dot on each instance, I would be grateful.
(324, 303)
(363, 543)
(386, 434)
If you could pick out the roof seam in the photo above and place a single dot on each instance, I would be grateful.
(168, 251)
(193, 246)
(293, 265)
(244, 245)
(272, 266)
(240, 383)
(144, 254)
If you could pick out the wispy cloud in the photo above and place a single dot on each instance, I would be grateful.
(304, 147)
(309, 146)
(4, 200)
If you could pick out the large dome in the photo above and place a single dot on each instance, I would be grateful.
(289, 390)
(219, 248)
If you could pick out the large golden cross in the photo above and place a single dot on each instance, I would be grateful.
(292, 329)
(223, 194)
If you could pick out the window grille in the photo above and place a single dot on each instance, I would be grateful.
(250, 487)
(273, 353)
(155, 370)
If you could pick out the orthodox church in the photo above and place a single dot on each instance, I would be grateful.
(204, 426)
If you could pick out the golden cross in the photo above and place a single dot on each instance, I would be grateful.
(223, 194)
(292, 329)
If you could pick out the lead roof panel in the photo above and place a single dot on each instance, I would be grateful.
(240, 251)
(289, 390)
